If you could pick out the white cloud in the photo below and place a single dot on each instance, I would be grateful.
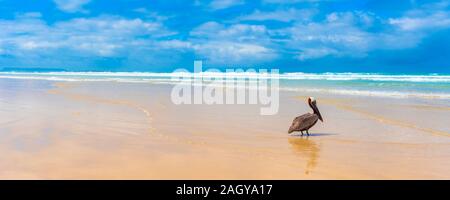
(71, 6)
(101, 36)
(291, 1)
(150, 14)
(175, 44)
(223, 4)
(411, 23)
(237, 32)
(29, 15)
(349, 34)
(233, 52)
(317, 52)
(337, 35)
(426, 17)
(221, 43)
(115, 36)
(283, 15)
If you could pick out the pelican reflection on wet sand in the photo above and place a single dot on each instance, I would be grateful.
(306, 121)
(307, 149)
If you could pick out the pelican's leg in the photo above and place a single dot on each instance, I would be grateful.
(307, 133)
(301, 132)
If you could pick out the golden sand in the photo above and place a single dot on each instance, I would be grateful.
(133, 131)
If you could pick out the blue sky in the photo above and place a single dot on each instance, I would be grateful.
(409, 36)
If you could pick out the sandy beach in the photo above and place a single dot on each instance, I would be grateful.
(112, 130)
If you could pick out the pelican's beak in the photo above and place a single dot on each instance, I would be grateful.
(317, 111)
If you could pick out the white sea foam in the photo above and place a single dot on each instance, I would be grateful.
(289, 76)
(368, 77)
(373, 93)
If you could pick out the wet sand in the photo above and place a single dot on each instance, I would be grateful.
(110, 130)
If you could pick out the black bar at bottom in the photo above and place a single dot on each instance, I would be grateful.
(182, 189)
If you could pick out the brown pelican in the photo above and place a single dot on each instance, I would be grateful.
(306, 121)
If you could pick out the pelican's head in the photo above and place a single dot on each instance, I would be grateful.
(311, 100)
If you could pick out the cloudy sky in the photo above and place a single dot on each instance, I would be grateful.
(409, 36)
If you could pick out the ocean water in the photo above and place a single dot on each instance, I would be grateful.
(431, 86)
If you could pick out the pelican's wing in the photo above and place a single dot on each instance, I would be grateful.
(306, 121)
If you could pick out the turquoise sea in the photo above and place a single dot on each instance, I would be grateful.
(362, 84)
